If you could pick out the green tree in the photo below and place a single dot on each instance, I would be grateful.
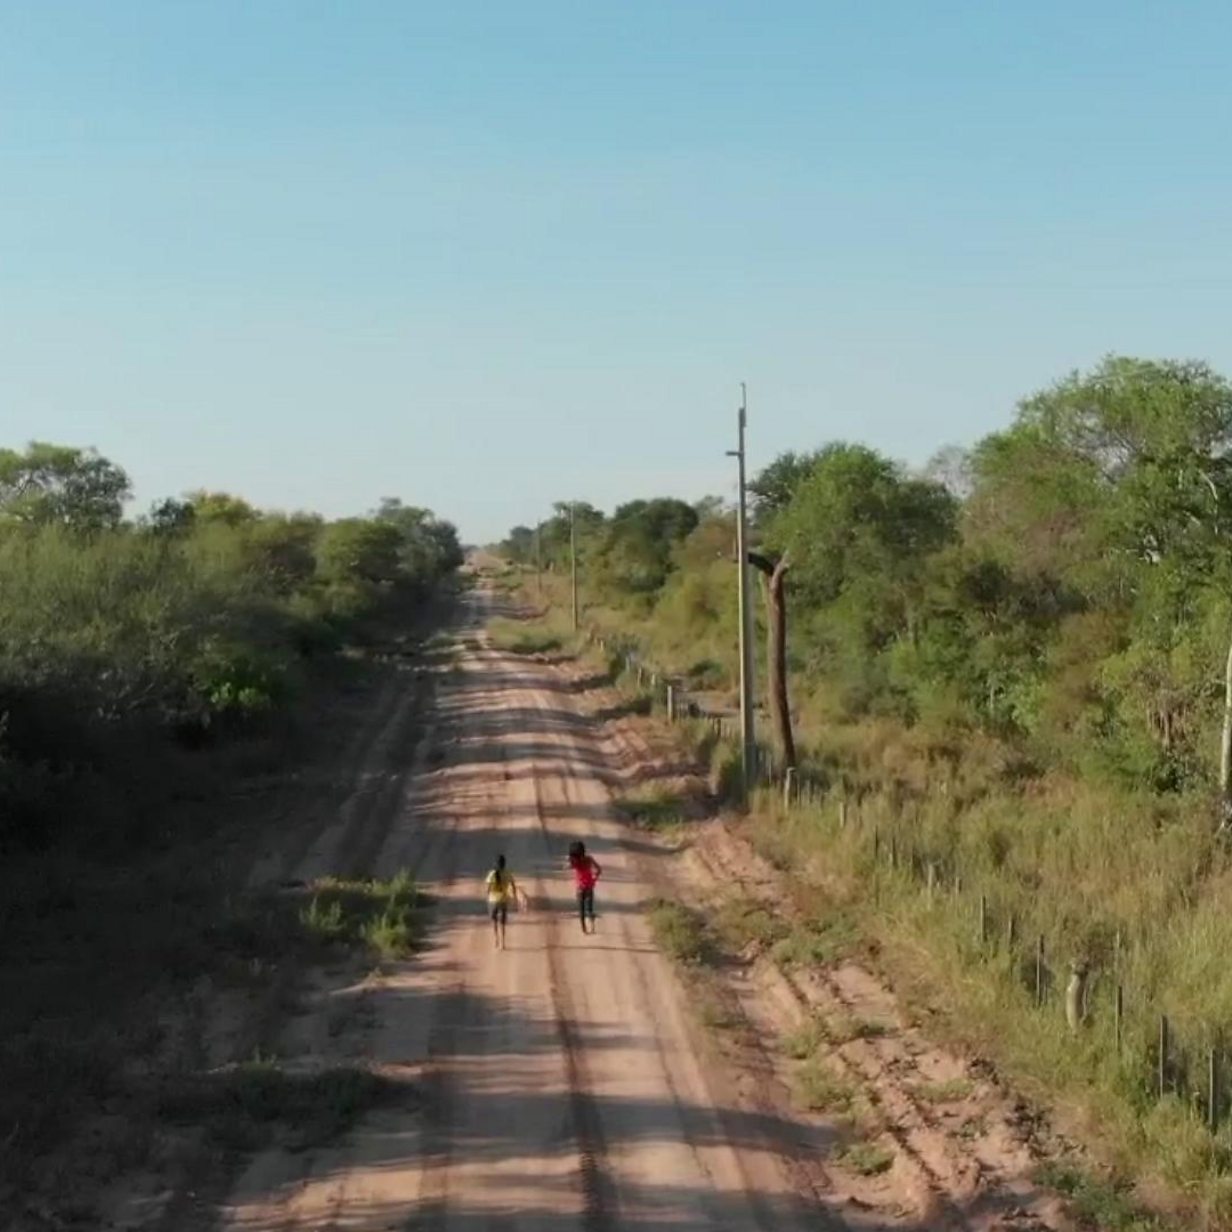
(359, 551)
(635, 556)
(519, 545)
(856, 522)
(221, 507)
(61, 485)
(429, 547)
(771, 490)
(1116, 487)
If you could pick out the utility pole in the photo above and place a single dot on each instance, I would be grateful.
(539, 560)
(573, 559)
(748, 736)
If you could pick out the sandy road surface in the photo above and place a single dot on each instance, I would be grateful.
(557, 1085)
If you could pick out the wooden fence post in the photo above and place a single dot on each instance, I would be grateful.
(789, 786)
(1163, 1055)
(671, 703)
(1212, 1090)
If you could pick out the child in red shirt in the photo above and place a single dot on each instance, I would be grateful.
(586, 872)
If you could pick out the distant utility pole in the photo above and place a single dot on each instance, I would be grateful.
(573, 559)
(748, 736)
(539, 559)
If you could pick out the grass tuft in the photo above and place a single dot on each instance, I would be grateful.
(820, 1089)
(867, 1158)
(386, 916)
(681, 933)
(245, 1107)
(1106, 1205)
(745, 923)
(953, 1091)
(805, 1040)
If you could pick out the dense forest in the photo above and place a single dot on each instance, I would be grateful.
(187, 624)
(1064, 584)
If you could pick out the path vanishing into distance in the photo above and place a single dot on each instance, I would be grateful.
(564, 1083)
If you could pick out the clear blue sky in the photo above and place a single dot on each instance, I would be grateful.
(487, 255)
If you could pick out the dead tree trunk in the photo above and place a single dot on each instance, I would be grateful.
(774, 574)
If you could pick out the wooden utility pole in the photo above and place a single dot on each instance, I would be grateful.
(573, 560)
(748, 736)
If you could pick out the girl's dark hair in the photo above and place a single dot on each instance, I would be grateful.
(577, 849)
(500, 861)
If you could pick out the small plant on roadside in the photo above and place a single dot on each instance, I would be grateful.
(815, 943)
(867, 1158)
(745, 922)
(842, 1027)
(244, 1107)
(805, 1040)
(657, 810)
(952, 1091)
(523, 637)
(820, 1089)
(714, 1010)
(1098, 1203)
(384, 915)
(680, 932)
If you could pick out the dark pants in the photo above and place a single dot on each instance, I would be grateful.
(586, 905)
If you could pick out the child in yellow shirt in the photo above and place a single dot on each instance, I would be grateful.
(502, 890)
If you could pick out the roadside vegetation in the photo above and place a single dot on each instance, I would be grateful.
(165, 681)
(1009, 683)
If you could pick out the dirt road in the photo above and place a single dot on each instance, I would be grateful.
(558, 1084)
(563, 1083)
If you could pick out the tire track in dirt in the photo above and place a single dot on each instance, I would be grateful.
(560, 1084)
(587, 735)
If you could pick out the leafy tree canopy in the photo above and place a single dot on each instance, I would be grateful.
(61, 485)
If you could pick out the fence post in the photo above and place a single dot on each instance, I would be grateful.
(1039, 970)
(1163, 1055)
(1119, 1010)
(1212, 1089)
(671, 703)
(932, 879)
(1011, 932)
(983, 919)
(842, 813)
(789, 785)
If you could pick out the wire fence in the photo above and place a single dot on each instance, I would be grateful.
(1091, 995)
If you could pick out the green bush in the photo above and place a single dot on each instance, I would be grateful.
(193, 623)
